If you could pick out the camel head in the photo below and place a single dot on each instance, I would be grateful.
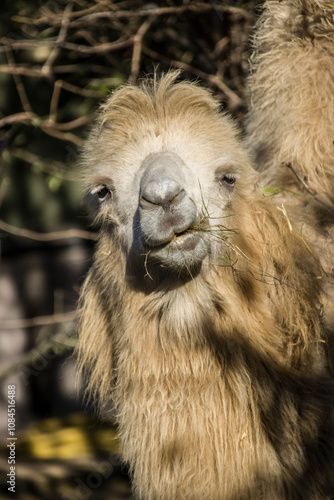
(165, 172)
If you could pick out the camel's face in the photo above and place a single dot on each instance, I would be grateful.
(164, 191)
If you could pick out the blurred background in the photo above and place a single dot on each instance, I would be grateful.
(58, 61)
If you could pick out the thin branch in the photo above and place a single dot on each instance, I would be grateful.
(52, 319)
(18, 82)
(97, 49)
(84, 49)
(69, 68)
(25, 44)
(38, 352)
(91, 68)
(45, 18)
(63, 136)
(312, 193)
(22, 117)
(54, 167)
(5, 183)
(49, 127)
(212, 79)
(46, 68)
(218, 82)
(78, 90)
(160, 11)
(78, 122)
(55, 100)
(20, 70)
(137, 49)
(52, 236)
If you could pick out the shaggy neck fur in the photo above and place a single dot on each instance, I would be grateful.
(195, 368)
(291, 119)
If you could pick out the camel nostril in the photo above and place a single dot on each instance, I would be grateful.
(162, 192)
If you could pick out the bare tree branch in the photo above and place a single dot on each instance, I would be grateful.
(52, 319)
(23, 117)
(38, 352)
(137, 49)
(46, 68)
(85, 49)
(160, 11)
(53, 236)
(18, 82)
(213, 79)
(54, 167)
(69, 68)
(78, 122)
(63, 136)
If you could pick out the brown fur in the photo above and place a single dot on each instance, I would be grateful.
(291, 120)
(218, 375)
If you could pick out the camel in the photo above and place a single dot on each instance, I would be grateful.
(201, 316)
(290, 125)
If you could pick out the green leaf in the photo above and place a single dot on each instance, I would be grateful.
(268, 191)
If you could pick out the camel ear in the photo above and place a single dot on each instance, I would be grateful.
(95, 345)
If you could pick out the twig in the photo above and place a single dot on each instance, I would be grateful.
(46, 68)
(63, 136)
(137, 49)
(78, 122)
(84, 49)
(58, 86)
(52, 236)
(78, 90)
(218, 82)
(22, 117)
(5, 182)
(18, 83)
(52, 319)
(38, 352)
(54, 167)
(145, 265)
(160, 11)
(45, 18)
(312, 193)
(19, 70)
(48, 126)
(213, 79)
(68, 68)
(55, 100)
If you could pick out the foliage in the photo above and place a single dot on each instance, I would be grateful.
(59, 59)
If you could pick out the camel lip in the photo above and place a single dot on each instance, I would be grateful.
(187, 238)
(184, 251)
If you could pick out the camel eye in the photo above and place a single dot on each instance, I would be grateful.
(103, 193)
(228, 181)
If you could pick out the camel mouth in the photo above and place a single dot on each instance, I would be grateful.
(184, 250)
(185, 240)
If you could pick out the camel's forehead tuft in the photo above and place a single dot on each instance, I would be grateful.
(157, 101)
(161, 115)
